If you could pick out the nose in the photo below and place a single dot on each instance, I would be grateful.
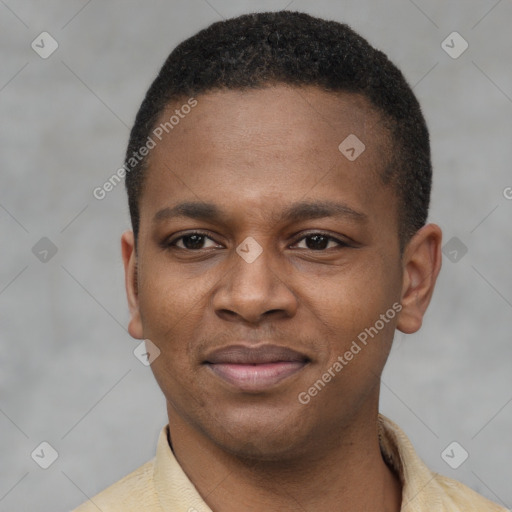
(254, 289)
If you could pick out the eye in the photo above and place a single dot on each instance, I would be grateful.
(320, 241)
(195, 241)
(191, 241)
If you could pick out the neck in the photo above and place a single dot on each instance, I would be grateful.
(345, 473)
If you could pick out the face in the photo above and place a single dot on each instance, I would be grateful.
(264, 254)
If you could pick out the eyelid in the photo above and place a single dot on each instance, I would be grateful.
(330, 238)
(171, 241)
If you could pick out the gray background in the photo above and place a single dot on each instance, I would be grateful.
(68, 375)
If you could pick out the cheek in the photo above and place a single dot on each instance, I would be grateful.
(357, 295)
(348, 310)
(170, 310)
(167, 299)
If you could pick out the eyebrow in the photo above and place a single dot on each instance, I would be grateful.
(305, 210)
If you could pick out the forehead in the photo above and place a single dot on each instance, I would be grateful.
(264, 147)
(280, 116)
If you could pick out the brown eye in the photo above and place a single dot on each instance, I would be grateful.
(191, 242)
(320, 242)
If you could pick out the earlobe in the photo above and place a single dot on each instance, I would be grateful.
(421, 266)
(131, 283)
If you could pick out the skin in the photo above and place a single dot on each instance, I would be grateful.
(254, 154)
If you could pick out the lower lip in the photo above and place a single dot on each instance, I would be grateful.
(256, 377)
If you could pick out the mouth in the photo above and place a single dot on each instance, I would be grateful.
(255, 369)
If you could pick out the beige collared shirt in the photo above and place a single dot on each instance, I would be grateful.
(160, 485)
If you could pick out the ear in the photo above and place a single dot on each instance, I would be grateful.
(421, 266)
(130, 279)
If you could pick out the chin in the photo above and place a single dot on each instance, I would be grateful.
(264, 436)
(261, 448)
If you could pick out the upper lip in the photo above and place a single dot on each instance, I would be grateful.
(262, 354)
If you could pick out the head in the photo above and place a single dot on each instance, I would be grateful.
(281, 200)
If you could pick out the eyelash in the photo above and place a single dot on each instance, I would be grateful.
(171, 244)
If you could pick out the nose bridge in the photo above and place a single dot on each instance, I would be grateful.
(253, 284)
(252, 271)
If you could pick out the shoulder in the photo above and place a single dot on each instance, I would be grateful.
(424, 489)
(464, 498)
(134, 492)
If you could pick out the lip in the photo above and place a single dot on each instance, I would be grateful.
(255, 368)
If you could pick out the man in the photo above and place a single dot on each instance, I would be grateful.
(278, 175)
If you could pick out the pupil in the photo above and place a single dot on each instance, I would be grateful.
(195, 244)
(315, 243)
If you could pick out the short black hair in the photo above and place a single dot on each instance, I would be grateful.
(294, 48)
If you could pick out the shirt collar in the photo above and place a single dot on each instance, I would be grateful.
(420, 490)
(175, 490)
